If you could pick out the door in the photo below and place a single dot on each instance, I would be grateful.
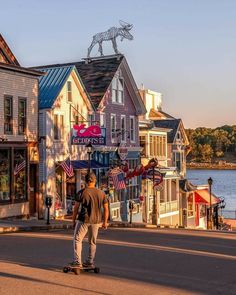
(33, 189)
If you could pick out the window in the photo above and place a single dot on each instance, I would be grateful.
(20, 191)
(190, 206)
(69, 91)
(8, 116)
(132, 129)
(113, 127)
(123, 128)
(102, 120)
(142, 140)
(5, 179)
(118, 90)
(157, 146)
(91, 119)
(58, 127)
(22, 115)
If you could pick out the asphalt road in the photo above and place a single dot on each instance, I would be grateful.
(132, 261)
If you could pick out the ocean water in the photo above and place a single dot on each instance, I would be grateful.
(224, 184)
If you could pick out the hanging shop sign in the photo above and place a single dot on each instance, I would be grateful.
(122, 151)
(155, 175)
(82, 135)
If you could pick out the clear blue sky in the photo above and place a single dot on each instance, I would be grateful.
(185, 49)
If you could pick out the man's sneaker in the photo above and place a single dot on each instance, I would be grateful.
(75, 264)
(88, 264)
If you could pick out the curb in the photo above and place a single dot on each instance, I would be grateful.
(35, 228)
(10, 229)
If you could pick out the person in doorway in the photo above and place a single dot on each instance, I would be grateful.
(91, 201)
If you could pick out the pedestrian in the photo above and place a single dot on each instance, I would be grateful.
(93, 206)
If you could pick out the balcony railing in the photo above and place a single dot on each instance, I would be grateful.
(168, 207)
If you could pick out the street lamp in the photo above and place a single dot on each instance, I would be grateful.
(89, 152)
(210, 182)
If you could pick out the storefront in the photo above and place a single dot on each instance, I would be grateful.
(18, 183)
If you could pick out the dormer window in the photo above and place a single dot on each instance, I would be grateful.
(118, 90)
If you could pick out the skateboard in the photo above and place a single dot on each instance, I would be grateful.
(77, 270)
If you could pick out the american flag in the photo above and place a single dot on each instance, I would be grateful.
(67, 167)
(19, 167)
(118, 178)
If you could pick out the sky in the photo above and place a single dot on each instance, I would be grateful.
(185, 49)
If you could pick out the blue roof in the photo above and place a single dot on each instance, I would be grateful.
(51, 84)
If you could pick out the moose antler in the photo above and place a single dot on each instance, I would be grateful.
(125, 25)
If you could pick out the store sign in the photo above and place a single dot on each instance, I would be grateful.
(122, 151)
(155, 176)
(94, 134)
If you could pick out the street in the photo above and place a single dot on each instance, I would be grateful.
(132, 261)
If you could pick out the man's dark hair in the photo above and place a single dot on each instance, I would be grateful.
(90, 177)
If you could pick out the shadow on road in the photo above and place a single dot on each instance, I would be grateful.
(196, 264)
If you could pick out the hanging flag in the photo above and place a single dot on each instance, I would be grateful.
(19, 167)
(67, 167)
(118, 178)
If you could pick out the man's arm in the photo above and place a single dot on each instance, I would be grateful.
(75, 212)
(106, 214)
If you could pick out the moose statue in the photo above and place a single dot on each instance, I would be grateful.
(111, 34)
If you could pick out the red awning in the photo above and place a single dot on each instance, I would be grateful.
(203, 196)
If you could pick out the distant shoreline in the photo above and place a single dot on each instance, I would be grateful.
(207, 166)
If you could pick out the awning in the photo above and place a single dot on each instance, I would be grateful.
(83, 164)
(203, 196)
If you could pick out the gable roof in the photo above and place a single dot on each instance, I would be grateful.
(97, 75)
(51, 84)
(159, 115)
(5, 52)
(18, 69)
(171, 124)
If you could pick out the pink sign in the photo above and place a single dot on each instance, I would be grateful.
(82, 135)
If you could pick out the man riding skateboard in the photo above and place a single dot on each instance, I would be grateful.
(92, 202)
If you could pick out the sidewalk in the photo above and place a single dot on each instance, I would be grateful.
(17, 225)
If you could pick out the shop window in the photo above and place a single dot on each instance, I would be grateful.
(20, 179)
(5, 175)
(190, 206)
(22, 115)
(8, 115)
(59, 189)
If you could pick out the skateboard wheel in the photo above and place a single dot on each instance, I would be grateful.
(97, 270)
(65, 269)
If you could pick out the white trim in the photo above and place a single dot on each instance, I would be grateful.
(132, 117)
(102, 114)
(125, 129)
(112, 114)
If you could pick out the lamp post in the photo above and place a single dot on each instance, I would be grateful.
(89, 152)
(210, 181)
(154, 207)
